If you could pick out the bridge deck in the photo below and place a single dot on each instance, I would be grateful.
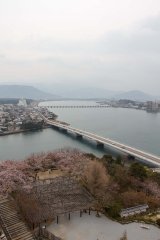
(153, 159)
(77, 106)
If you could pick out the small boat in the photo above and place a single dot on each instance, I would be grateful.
(145, 227)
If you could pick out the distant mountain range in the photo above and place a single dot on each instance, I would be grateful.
(85, 93)
(28, 92)
(96, 93)
(135, 96)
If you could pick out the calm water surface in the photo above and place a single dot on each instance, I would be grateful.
(134, 127)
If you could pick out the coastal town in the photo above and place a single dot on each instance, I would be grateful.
(25, 116)
(148, 106)
(21, 117)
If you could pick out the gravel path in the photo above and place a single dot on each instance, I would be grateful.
(93, 228)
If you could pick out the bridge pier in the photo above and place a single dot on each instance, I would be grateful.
(55, 127)
(100, 145)
(64, 130)
(130, 157)
(79, 136)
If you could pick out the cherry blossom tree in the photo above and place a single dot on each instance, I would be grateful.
(14, 174)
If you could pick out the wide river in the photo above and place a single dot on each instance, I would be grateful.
(134, 127)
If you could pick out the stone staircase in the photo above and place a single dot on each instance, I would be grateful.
(13, 226)
(3, 237)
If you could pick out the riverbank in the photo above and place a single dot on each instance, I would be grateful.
(31, 130)
(22, 131)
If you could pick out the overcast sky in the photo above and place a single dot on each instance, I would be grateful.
(107, 44)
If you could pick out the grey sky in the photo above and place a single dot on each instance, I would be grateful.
(106, 44)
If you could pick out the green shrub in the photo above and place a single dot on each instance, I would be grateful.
(114, 210)
(158, 222)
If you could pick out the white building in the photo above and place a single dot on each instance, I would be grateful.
(133, 210)
(22, 102)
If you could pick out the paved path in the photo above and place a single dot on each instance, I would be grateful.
(89, 227)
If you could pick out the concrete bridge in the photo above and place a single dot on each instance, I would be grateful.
(77, 106)
(101, 141)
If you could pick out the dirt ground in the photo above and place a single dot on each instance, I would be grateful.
(49, 174)
(90, 227)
